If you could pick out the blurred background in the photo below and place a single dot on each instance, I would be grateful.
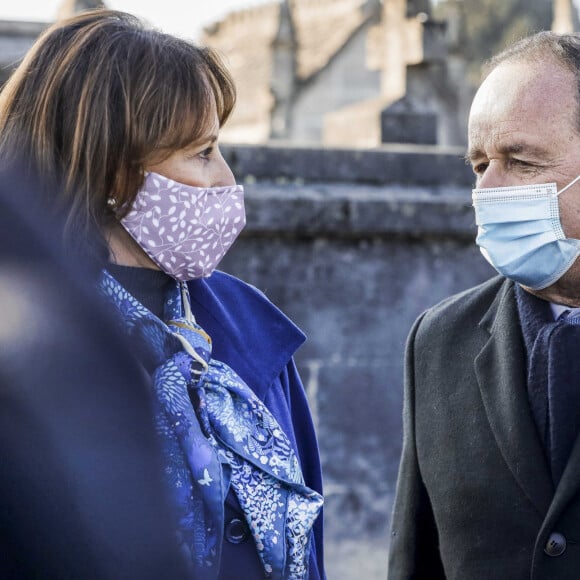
(349, 136)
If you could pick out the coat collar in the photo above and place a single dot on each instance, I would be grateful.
(249, 333)
(500, 370)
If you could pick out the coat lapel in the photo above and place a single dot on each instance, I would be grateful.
(500, 370)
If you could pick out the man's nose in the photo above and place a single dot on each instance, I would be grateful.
(494, 176)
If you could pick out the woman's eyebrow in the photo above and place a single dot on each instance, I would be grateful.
(202, 142)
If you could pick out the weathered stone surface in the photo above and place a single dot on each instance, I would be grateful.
(355, 210)
(15, 39)
(408, 127)
(426, 165)
(353, 265)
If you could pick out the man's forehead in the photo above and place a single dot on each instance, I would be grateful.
(521, 105)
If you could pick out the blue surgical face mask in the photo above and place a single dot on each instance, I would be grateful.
(520, 233)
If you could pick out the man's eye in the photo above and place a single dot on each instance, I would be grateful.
(479, 168)
(525, 166)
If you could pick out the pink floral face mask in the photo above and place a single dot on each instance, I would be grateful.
(185, 230)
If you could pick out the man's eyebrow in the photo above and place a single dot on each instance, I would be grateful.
(513, 148)
(507, 149)
(473, 154)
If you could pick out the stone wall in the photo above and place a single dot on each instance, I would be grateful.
(353, 245)
(15, 39)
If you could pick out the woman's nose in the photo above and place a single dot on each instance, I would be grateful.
(224, 175)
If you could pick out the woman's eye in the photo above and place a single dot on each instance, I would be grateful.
(206, 153)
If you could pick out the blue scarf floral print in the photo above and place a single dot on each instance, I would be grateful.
(215, 434)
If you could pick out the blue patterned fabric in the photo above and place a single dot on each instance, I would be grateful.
(216, 433)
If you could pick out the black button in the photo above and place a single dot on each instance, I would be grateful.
(237, 531)
(556, 545)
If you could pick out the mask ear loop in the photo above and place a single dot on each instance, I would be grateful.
(557, 224)
(569, 185)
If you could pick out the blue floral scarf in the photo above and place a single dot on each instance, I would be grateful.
(216, 433)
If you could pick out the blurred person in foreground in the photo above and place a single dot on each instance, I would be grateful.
(131, 117)
(489, 481)
(81, 488)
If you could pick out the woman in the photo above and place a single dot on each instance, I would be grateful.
(128, 118)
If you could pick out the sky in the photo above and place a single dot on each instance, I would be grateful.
(181, 17)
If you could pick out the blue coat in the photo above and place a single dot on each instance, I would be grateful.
(258, 341)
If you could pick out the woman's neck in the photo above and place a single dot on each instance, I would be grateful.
(124, 250)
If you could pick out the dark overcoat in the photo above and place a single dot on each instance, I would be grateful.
(475, 499)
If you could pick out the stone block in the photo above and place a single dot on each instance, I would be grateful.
(408, 165)
(409, 127)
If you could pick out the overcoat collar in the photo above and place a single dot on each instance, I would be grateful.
(500, 370)
(249, 332)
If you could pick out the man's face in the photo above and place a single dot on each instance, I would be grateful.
(523, 129)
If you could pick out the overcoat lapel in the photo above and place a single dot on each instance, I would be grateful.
(500, 370)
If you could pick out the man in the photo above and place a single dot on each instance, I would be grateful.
(489, 478)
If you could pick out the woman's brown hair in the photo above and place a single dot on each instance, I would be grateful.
(98, 96)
